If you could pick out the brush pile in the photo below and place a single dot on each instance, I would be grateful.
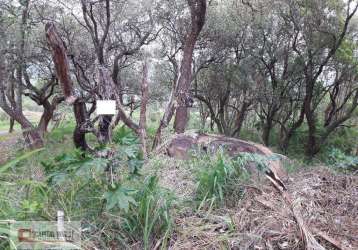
(326, 218)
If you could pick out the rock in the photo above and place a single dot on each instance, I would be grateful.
(180, 145)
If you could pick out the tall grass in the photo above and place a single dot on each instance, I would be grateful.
(149, 220)
(216, 177)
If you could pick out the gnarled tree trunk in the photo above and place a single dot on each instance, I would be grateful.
(61, 62)
(178, 101)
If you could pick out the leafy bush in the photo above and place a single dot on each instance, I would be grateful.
(344, 139)
(119, 196)
(338, 159)
(76, 163)
(124, 136)
(59, 134)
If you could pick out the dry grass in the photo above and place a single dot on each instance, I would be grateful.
(175, 175)
(9, 143)
(263, 219)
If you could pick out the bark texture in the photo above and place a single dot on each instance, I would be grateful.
(197, 12)
(180, 96)
(143, 111)
(61, 62)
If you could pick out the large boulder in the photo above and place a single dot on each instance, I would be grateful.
(180, 146)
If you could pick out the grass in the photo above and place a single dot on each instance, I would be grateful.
(119, 203)
(60, 178)
(34, 118)
(4, 126)
(149, 220)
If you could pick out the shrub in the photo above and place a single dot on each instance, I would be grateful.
(338, 159)
(124, 136)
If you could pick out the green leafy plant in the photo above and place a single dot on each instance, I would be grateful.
(212, 181)
(125, 136)
(119, 196)
(76, 162)
(222, 176)
(150, 217)
(338, 159)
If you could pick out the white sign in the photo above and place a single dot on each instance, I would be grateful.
(106, 107)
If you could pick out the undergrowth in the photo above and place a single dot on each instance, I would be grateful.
(105, 192)
(221, 180)
(108, 192)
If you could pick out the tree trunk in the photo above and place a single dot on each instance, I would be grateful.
(32, 137)
(103, 129)
(79, 135)
(60, 59)
(106, 91)
(198, 11)
(11, 125)
(45, 118)
(182, 97)
(287, 133)
(203, 115)
(143, 111)
(240, 118)
(311, 147)
(267, 131)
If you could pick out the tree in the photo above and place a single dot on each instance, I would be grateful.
(180, 94)
(13, 65)
(197, 13)
(317, 41)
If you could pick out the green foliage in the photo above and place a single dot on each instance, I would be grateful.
(119, 196)
(148, 217)
(338, 159)
(128, 150)
(345, 53)
(220, 178)
(15, 161)
(75, 163)
(60, 134)
(124, 136)
(344, 138)
(212, 181)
